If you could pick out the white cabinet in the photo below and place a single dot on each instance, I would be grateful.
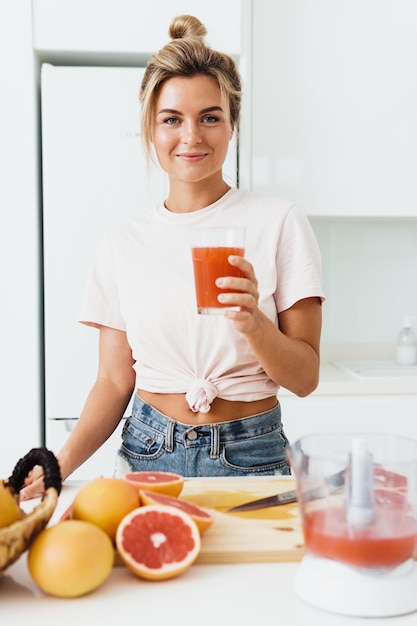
(393, 414)
(102, 463)
(122, 27)
(85, 192)
(334, 98)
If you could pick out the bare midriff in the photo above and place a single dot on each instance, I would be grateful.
(175, 406)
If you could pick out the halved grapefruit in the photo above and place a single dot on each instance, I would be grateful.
(202, 518)
(389, 499)
(161, 482)
(158, 542)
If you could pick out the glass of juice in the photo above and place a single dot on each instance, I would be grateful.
(211, 248)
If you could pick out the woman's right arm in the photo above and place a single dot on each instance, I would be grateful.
(102, 412)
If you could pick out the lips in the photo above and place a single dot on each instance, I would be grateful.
(192, 157)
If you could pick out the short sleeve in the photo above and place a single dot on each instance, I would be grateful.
(298, 261)
(101, 306)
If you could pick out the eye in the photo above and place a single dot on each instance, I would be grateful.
(210, 119)
(171, 121)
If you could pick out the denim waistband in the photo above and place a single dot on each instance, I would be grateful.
(215, 432)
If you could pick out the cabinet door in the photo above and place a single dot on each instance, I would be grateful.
(334, 102)
(94, 178)
(101, 463)
(120, 27)
(396, 415)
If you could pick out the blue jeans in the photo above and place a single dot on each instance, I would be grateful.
(251, 446)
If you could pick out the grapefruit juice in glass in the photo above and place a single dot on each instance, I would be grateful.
(211, 248)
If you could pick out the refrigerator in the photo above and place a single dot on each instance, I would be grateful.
(94, 176)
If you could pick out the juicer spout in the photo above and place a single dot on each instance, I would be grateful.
(360, 502)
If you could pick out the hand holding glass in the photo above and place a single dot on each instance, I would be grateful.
(211, 248)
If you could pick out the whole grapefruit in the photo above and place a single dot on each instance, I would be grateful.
(104, 502)
(71, 558)
(9, 508)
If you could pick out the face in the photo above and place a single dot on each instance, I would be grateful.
(191, 130)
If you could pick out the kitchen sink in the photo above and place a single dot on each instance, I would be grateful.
(376, 368)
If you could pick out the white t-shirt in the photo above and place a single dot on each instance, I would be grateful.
(142, 283)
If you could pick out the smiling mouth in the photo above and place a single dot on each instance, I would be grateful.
(192, 157)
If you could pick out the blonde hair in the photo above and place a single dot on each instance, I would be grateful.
(187, 54)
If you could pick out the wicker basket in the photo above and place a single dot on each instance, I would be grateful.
(16, 538)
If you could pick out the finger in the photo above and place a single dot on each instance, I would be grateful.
(235, 282)
(238, 286)
(245, 302)
(33, 490)
(33, 475)
(243, 320)
(243, 264)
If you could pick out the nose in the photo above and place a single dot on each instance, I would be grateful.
(191, 132)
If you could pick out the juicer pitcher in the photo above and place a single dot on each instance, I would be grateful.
(357, 496)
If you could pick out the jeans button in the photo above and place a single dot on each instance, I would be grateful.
(192, 435)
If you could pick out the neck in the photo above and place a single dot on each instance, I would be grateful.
(186, 197)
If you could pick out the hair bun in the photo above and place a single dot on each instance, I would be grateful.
(185, 26)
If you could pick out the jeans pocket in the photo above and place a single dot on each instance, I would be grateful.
(257, 455)
(141, 441)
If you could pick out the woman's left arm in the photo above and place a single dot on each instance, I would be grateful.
(290, 354)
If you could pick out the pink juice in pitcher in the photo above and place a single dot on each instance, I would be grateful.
(387, 542)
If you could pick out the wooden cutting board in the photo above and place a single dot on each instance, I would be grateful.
(266, 535)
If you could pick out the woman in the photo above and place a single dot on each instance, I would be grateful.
(205, 387)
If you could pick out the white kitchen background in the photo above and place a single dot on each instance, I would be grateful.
(330, 94)
(370, 277)
(334, 127)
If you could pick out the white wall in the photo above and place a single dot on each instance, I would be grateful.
(19, 250)
(370, 277)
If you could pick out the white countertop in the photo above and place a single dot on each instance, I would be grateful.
(334, 380)
(243, 594)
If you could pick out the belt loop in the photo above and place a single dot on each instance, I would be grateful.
(169, 441)
(214, 441)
